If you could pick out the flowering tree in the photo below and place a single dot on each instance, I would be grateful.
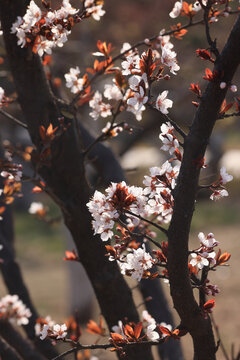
(125, 219)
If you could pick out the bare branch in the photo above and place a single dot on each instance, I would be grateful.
(8, 116)
(79, 346)
(165, 231)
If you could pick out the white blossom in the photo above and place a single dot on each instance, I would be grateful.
(73, 81)
(162, 103)
(218, 194)
(44, 332)
(176, 10)
(96, 11)
(35, 207)
(202, 259)
(224, 176)
(209, 241)
(59, 331)
(130, 64)
(112, 92)
(118, 329)
(24, 27)
(148, 318)
(136, 262)
(13, 309)
(99, 107)
(151, 334)
(168, 58)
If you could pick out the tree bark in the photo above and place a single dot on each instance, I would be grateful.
(6, 352)
(65, 177)
(23, 347)
(184, 199)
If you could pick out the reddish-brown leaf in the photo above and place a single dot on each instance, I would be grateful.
(137, 330)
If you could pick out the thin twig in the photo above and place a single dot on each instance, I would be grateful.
(219, 337)
(211, 43)
(167, 118)
(136, 45)
(17, 121)
(79, 346)
(224, 116)
(139, 235)
(148, 221)
(101, 138)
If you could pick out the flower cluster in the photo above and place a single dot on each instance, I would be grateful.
(112, 130)
(136, 202)
(44, 30)
(37, 208)
(12, 174)
(40, 322)
(73, 81)
(125, 333)
(176, 10)
(99, 107)
(94, 8)
(204, 256)
(158, 188)
(106, 209)
(183, 8)
(13, 310)
(54, 331)
(169, 140)
(136, 263)
(141, 72)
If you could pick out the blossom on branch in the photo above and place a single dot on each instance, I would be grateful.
(136, 263)
(99, 107)
(176, 10)
(169, 140)
(202, 259)
(55, 331)
(162, 103)
(44, 30)
(95, 10)
(73, 81)
(209, 241)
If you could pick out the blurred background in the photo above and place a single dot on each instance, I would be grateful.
(40, 247)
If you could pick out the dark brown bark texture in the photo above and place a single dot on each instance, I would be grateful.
(65, 176)
(6, 352)
(23, 346)
(185, 194)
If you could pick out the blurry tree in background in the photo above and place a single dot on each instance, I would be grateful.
(139, 232)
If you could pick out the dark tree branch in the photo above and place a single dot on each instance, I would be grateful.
(159, 227)
(125, 346)
(12, 118)
(6, 352)
(184, 200)
(21, 345)
(212, 44)
(65, 176)
(14, 281)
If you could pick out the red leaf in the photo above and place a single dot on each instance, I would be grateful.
(137, 330)
(209, 305)
(117, 337)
